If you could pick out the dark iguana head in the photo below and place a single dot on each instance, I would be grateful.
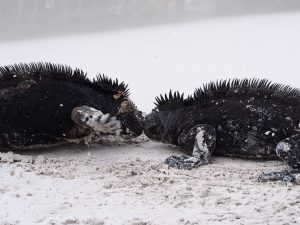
(120, 105)
(153, 125)
(132, 122)
(157, 122)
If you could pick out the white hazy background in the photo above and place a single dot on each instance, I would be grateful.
(157, 45)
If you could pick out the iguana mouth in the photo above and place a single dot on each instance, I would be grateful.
(131, 118)
(133, 122)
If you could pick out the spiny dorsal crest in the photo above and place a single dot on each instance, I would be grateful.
(244, 87)
(40, 70)
(260, 88)
(109, 85)
(172, 99)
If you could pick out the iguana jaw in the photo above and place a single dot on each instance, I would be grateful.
(153, 126)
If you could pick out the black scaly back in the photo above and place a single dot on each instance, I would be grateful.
(41, 70)
(36, 70)
(259, 88)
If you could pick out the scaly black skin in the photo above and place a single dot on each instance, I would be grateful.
(244, 118)
(37, 99)
(134, 121)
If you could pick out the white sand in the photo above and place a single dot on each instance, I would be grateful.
(128, 183)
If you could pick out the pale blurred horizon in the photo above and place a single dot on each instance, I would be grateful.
(29, 19)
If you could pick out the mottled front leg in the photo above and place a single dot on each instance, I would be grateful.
(201, 141)
(95, 119)
(289, 150)
(286, 176)
(89, 122)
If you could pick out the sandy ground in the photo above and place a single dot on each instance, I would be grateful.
(128, 183)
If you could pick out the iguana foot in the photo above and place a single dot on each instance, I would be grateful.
(184, 162)
(201, 139)
(105, 124)
(286, 176)
(288, 150)
(96, 120)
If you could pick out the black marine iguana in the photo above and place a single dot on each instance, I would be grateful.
(245, 118)
(43, 104)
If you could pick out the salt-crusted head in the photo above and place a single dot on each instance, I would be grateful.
(131, 118)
